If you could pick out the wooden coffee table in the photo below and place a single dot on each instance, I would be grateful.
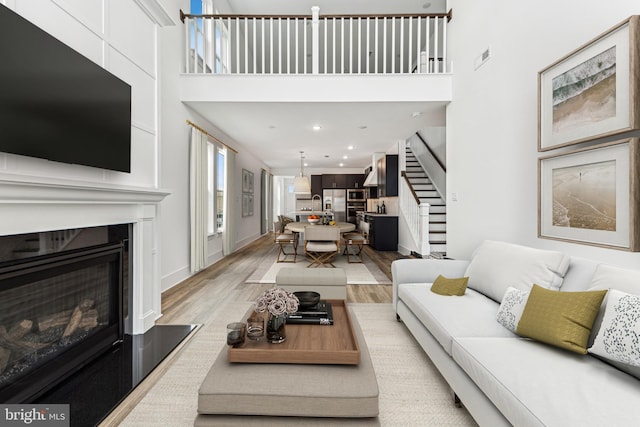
(305, 344)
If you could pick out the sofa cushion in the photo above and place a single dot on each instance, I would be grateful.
(618, 340)
(533, 384)
(497, 265)
(450, 287)
(471, 315)
(511, 308)
(622, 279)
(610, 277)
(562, 319)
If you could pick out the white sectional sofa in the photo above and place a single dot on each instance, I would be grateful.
(503, 378)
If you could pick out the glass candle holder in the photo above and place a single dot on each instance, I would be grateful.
(255, 328)
(235, 333)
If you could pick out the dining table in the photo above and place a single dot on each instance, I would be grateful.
(298, 227)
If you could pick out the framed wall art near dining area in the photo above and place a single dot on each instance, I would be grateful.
(247, 193)
(247, 181)
(591, 195)
(593, 92)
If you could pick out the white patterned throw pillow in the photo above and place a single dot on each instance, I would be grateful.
(618, 339)
(511, 308)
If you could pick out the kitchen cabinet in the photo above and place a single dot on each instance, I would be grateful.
(316, 185)
(388, 176)
(383, 232)
(334, 180)
(355, 181)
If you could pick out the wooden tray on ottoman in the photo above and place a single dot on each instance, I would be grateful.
(306, 344)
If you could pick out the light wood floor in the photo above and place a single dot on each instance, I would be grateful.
(192, 300)
(196, 299)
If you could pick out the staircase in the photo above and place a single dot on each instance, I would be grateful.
(427, 193)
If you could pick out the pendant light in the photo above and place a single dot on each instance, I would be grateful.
(301, 183)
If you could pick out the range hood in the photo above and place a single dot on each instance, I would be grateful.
(372, 178)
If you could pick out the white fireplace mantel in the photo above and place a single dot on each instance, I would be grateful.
(16, 188)
(34, 204)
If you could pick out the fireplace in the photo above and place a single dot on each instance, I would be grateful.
(62, 304)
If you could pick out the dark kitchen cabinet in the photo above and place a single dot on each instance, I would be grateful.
(383, 232)
(334, 181)
(355, 181)
(316, 185)
(388, 176)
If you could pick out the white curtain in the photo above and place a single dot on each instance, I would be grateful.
(230, 205)
(198, 197)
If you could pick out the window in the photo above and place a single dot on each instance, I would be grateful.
(220, 184)
(221, 47)
(215, 186)
(209, 40)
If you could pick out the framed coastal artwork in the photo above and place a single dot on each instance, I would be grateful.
(247, 204)
(247, 181)
(592, 92)
(591, 195)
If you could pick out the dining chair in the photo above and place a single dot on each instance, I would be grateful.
(285, 239)
(357, 240)
(321, 244)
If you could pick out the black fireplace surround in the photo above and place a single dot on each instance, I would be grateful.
(60, 308)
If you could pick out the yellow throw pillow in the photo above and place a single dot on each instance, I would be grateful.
(444, 286)
(562, 319)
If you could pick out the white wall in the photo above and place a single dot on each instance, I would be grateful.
(121, 39)
(39, 195)
(492, 121)
(174, 163)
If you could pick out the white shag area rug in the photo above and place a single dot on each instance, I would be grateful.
(412, 392)
(366, 273)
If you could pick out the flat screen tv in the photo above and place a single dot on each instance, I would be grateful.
(58, 105)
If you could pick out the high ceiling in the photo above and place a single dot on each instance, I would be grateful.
(277, 132)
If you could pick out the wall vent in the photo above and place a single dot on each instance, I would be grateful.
(482, 58)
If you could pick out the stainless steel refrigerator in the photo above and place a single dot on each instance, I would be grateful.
(336, 202)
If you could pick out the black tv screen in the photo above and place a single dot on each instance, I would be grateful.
(57, 104)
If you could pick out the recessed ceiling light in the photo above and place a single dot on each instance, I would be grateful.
(416, 114)
(350, 147)
(341, 164)
(345, 157)
(317, 127)
(362, 127)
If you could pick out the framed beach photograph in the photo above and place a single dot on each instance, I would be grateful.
(592, 92)
(247, 204)
(590, 195)
(247, 181)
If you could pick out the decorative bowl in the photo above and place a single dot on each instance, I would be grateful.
(307, 298)
(313, 220)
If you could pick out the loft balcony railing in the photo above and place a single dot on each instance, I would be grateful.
(314, 44)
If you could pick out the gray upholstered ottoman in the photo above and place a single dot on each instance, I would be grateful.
(279, 394)
(330, 283)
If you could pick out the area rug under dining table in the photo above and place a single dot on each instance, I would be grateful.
(366, 273)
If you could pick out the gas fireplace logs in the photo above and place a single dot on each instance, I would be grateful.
(14, 344)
